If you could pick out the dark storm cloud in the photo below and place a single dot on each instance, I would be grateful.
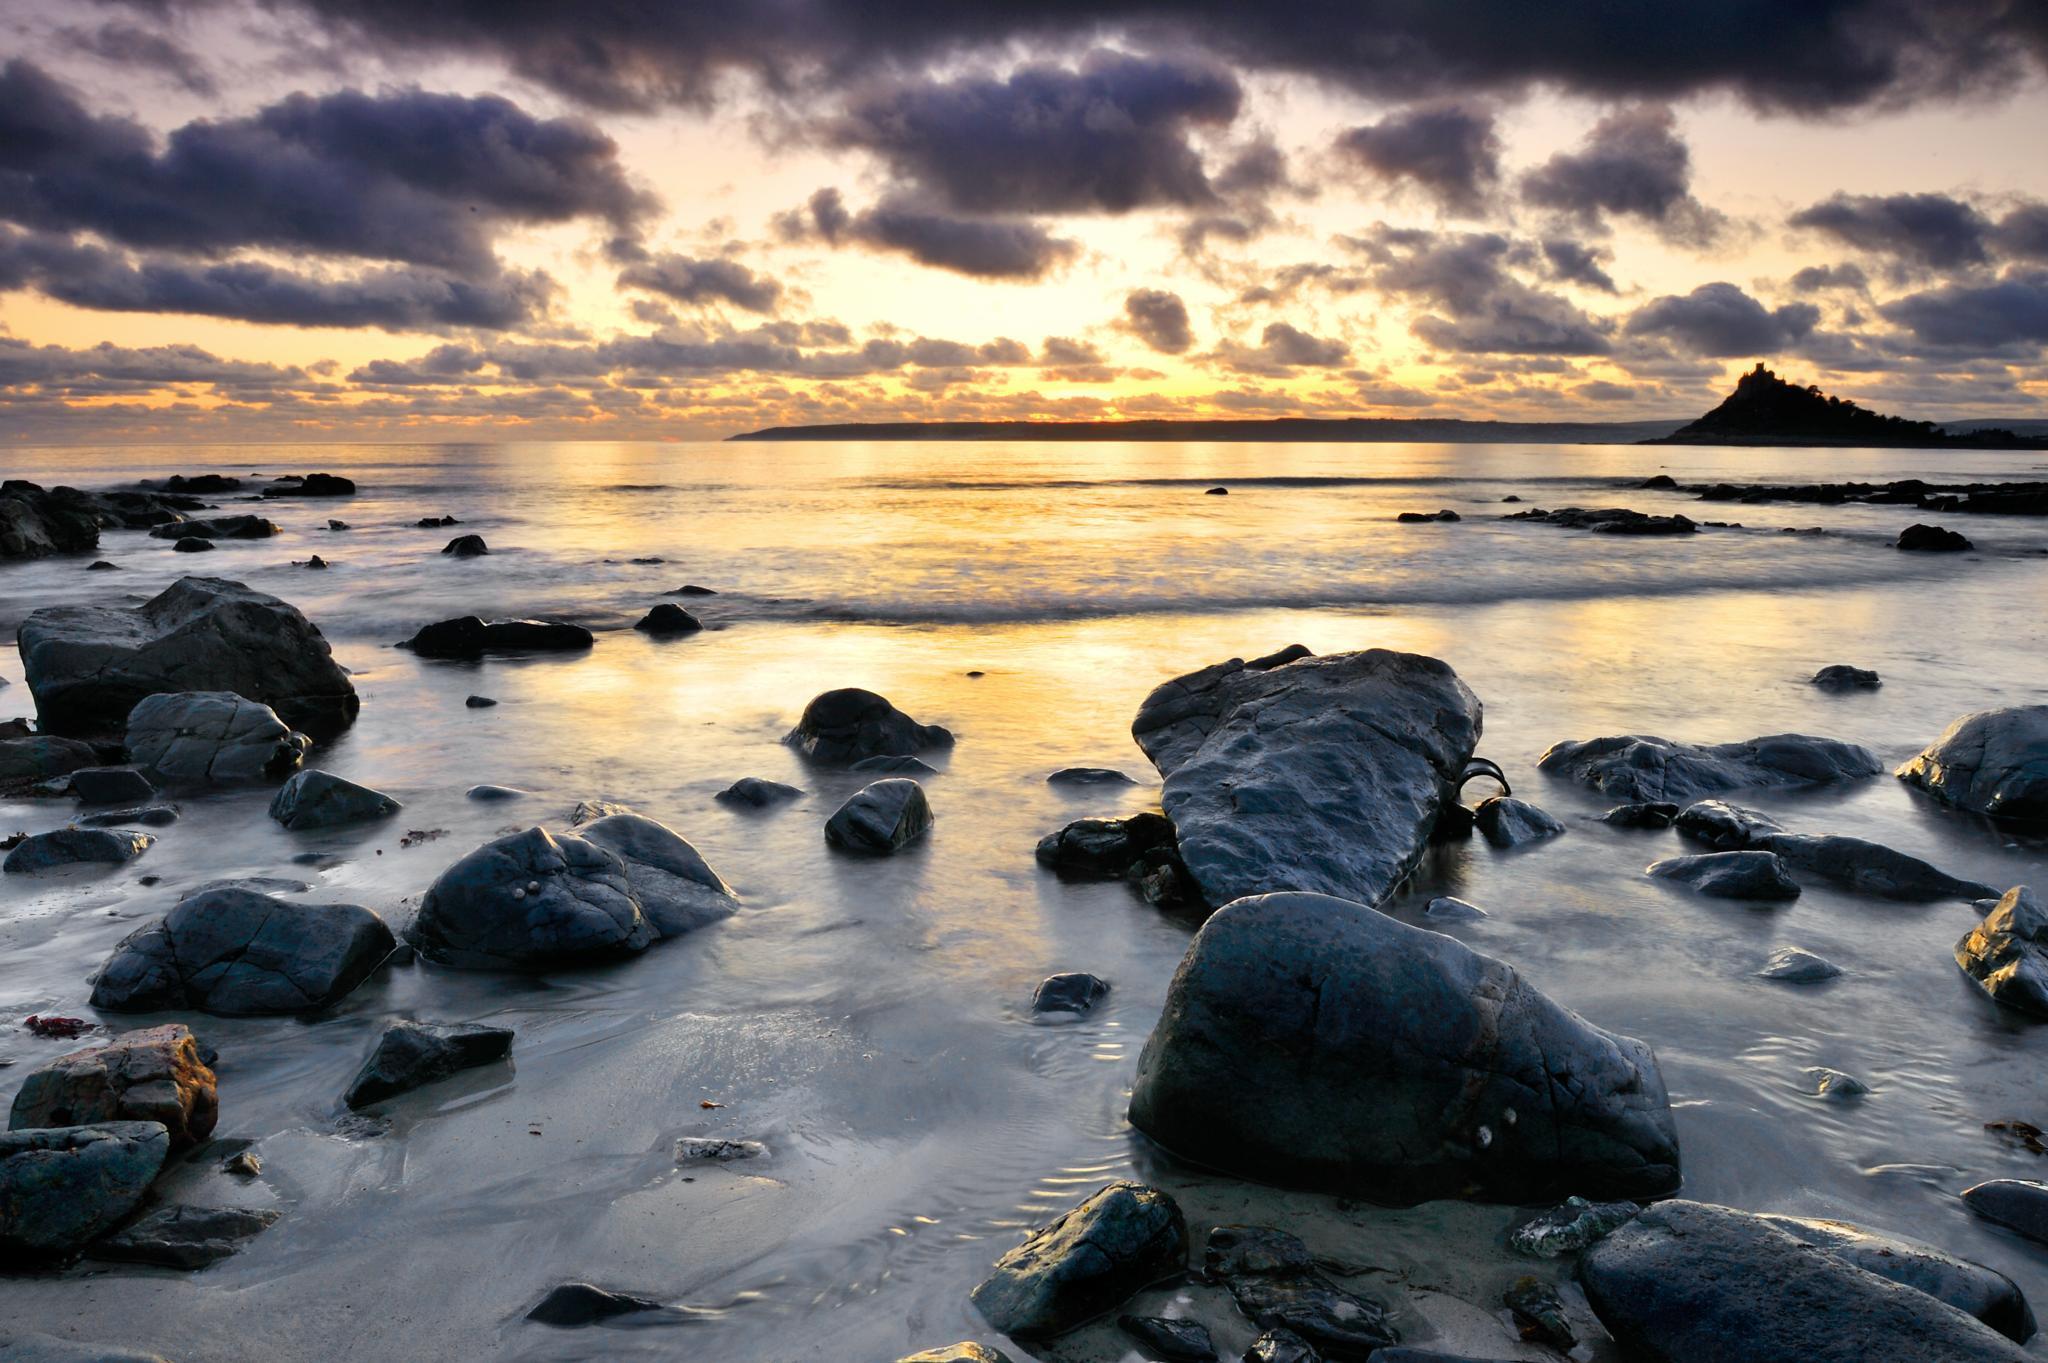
(1811, 56)
(127, 44)
(1824, 278)
(1109, 137)
(688, 279)
(1467, 275)
(1159, 319)
(1282, 348)
(1721, 320)
(1574, 262)
(1632, 164)
(1978, 318)
(2023, 233)
(1922, 229)
(1450, 151)
(408, 176)
(985, 248)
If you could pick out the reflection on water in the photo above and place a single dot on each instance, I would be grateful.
(869, 1020)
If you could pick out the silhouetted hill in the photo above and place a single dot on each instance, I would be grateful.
(1766, 410)
(1355, 429)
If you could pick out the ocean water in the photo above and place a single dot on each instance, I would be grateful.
(869, 1021)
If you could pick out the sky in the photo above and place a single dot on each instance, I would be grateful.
(389, 220)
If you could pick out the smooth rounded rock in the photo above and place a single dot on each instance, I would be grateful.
(881, 818)
(1842, 677)
(1074, 992)
(212, 738)
(841, 727)
(75, 847)
(240, 952)
(1796, 965)
(1505, 821)
(412, 1054)
(669, 618)
(2015, 1203)
(61, 1187)
(754, 792)
(319, 799)
(1748, 875)
(1123, 1237)
(470, 637)
(1639, 767)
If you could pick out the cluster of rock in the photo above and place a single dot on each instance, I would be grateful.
(1613, 520)
(1638, 767)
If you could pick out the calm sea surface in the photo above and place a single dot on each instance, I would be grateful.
(869, 1020)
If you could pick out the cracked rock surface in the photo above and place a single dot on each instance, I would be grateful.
(212, 738)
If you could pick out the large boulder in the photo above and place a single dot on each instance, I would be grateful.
(470, 637)
(236, 952)
(320, 799)
(221, 528)
(1636, 767)
(152, 1075)
(64, 1185)
(75, 847)
(1124, 1237)
(87, 666)
(1994, 762)
(881, 818)
(1981, 1291)
(841, 727)
(412, 1054)
(2016, 1203)
(1685, 1281)
(37, 757)
(212, 738)
(536, 900)
(35, 523)
(311, 485)
(1314, 1042)
(1301, 773)
(2007, 953)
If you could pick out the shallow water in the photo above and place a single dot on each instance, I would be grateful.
(869, 1020)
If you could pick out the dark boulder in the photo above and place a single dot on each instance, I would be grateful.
(881, 818)
(65, 1185)
(1074, 992)
(412, 1054)
(1122, 1238)
(212, 738)
(677, 889)
(312, 485)
(1416, 1067)
(1425, 517)
(1842, 677)
(152, 1075)
(111, 786)
(1729, 875)
(88, 666)
(1637, 767)
(183, 1237)
(466, 546)
(35, 523)
(2017, 1204)
(754, 792)
(74, 847)
(193, 544)
(1108, 849)
(37, 757)
(841, 727)
(1933, 539)
(320, 799)
(1505, 822)
(1647, 814)
(1294, 772)
(1613, 520)
(586, 1304)
(1869, 868)
(2007, 953)
(470, 637)
(1970, 1287)
(1796, 965)
(1994, 762)
(1089, 776)
(224, 528)
(149, 816)
(669, 618)
(239, 952)
(1724, 827)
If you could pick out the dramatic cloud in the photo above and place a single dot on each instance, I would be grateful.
(1825, 278)
(126, 44)
(1574, 262)
(1467, 275)
(1923, 229)
(106, 368)
(1721, 320)
(1978, 318)
(1634, 165)
(1160, 320)
(985, 248)
(1451, 151)
(690, 280)
(1282, 348)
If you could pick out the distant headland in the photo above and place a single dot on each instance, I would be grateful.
(1766, 410)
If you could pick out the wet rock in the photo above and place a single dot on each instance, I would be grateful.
(436, 522)
(586, 1304)
(1723, 826)
(1505, 821)
(1795, 965)
(338, 525)
(149, 816)
(1834, 1085)
(1089, 776)
(470, 637)
(490, 794)
(479, 702)
(669, 618)
(716, 1150)
(1282, 1346)
(35, 523)
(412, 1054)
(1451, 909)
(1970, 1287)
(89, 665)
(152, 1075)
(1662, 482)
(223, 528)
(2017, 1204)
(212, 738)
(1570, 1228)
(1993, 762)
(692, 589)
(312, 485)
(841, 727)
(102, 566)
(900, 766)
(1417, 1067)
(1176, 1341)
(1539, 1313)
(1634, 767)
(466, 546)
(1217, 492)
(193, 544)
(320, 799)
(184, 1237)
(1647, 814)
(75, 847)
(1932, 539)
(1122, 1238)
(1685, 1280)
(239, 952)
(1075, 992)
(1306, 773)
(1730, 875)
(1842, 677)
(881, 818)
(63, 1186)
(314, 562)
(37, 757)
(1423, 517)
(677, 889)
(754, 792)
(1107, 849)
(2007, 953)
(1612, 520)
(1278, 1287)
(964, 1352)
(1869, 868)
(110, 785)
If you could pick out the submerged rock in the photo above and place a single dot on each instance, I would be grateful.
(586, 1304)
(1993, 762)
(412, 1054)
(193, 544)
(2007, 953)
(1424, 517)
(1089, 776)
(1417, 1067)
(63, 1186)
(311, 485)
(184, 1237)
(1451, 909)
(1075, 992)
(1685, 1281)
(1636, 767)
(2017, 1204)
(841, 727)
(150, 816)
(1122, 1238)
(152, 1075)
(1869, 868)
(1275, 1283)
(1970, 1287)
(239, 952)
(319, 799)
(754, 792)
(223, 528)
(1796, 965)
(1836, 1086)
(75, 847)
(1729, 875)
(1301, 773)
(1842, 677)
(1612, 520)
(1505, 821)
(1107, 849)
(471, 637)
(1723, 826)
(1648, 814)
(669, 618)
(212, 738)
(88, 666)
(1933, 539)
(881, 818)
(466, 546)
